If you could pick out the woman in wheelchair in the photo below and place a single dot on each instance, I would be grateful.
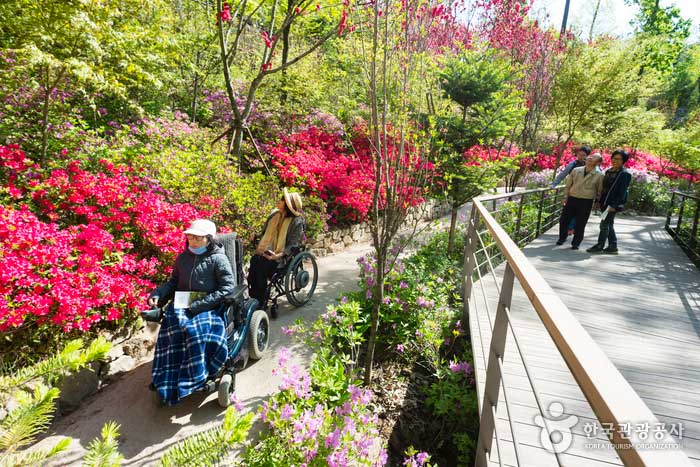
(191, 343)
(282, 232)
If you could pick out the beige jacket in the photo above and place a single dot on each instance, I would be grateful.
(580, 185)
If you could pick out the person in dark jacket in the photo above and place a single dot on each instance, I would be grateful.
(191, 342)
(282, 232)
(612, 200)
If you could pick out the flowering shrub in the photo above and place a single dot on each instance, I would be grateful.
(317, 162)
(80, 247)
(317, 419)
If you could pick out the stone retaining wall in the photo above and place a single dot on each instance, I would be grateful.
(335, 241)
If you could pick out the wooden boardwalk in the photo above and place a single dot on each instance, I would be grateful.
(641, 307)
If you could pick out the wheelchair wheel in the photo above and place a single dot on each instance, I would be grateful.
(258, 334)
(300, 279)
(227, 384)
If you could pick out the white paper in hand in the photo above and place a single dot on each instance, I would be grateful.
(185, 299)
(603, 215)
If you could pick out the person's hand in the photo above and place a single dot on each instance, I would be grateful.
(153, 301)
(272, 256)
(563, 201)
(611, 209)
(596, 207)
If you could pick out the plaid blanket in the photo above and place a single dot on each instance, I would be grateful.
(188, 350)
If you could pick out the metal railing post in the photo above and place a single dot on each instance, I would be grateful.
(518, 221)
(670, 210)
(539, 214)
(694, 232)
(487, 424)
(469, 262)
(679, 225)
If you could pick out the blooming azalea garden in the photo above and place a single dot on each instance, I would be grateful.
(119, 130)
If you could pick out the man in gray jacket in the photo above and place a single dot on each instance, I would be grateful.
(582, 189)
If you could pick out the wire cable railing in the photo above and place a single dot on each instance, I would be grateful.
(494, 237)
(682, 223)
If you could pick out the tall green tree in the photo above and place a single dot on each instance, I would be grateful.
(485, 106)
(664, 32)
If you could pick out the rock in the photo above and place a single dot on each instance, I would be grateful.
(138, 347)
(318, 244)
(335, 235)
(77, 386)
(347, 240)
(319, 252)
(356, 235)
(118, 367)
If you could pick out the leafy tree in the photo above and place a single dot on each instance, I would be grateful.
(593, 88)
(108, 46)
(480, 84)
(683, 88)
(268, 20)
(663, 31)
(397, 39)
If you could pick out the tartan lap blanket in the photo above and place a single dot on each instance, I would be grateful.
(188, 350)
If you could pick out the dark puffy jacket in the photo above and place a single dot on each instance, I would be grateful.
(616, 194)
(209, 272)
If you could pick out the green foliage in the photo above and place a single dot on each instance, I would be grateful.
(481, 85)
(593, 99)
(36, 404)
(651, 197)
(452, 396)
(72, 358)
(31, 417)
(663, 32)
(103, 452)
(683, 87)
(209, 447)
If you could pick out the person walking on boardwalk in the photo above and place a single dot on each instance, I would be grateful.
(582, 152)
(613, 198)
(582, 188)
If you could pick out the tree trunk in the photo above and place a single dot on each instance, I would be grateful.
(195, 91)
(285, 55)
(595, 16)
(45, 115)
(453, 227)
(374, 326)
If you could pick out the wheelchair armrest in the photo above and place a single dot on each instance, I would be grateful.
(237, 294)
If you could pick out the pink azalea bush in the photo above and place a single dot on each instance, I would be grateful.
(319, 162)
(81, 247)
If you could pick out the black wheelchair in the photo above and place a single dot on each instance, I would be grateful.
(247, 326)
(295, 278)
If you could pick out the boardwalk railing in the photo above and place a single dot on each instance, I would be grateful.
(610, 396)
(685, 212)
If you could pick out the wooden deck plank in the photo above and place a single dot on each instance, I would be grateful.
(641, 307)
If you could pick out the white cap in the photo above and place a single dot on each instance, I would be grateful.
(202, 227)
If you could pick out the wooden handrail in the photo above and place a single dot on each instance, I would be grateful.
(611, 397)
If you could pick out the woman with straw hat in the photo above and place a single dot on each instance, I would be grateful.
(283, 231)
